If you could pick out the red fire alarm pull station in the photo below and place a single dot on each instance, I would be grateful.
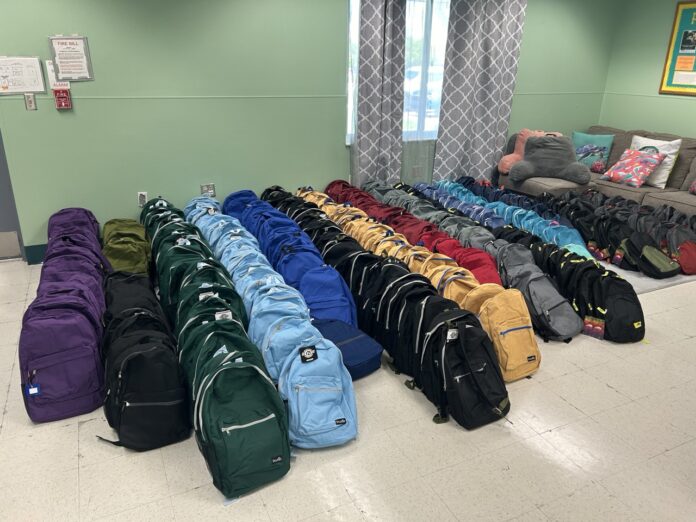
(63, 99)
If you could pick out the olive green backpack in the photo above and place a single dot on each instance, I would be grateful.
(126, 246)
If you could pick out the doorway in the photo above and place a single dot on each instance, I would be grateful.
(10, 238)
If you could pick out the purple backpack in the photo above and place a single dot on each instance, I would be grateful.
(61, 371)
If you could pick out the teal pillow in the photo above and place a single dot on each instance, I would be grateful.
(593, 150)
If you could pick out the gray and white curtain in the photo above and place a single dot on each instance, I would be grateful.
(376, 150)
(483, 44)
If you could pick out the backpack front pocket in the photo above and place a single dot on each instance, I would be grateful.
(516, 345)
(319, 405)
(253, 445)
(63, 375)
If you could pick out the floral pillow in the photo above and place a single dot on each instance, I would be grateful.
(634, 167)
(692, 187)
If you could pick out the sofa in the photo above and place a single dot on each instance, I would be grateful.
(676, 193)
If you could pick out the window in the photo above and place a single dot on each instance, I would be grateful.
(426, 39)
(425, 42)
(352, 87)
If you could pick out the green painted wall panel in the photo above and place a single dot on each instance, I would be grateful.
(631, 100)
(560, 112)
(564, 59)
(242, 93)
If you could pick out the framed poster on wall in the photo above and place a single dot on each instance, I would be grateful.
(679, 74)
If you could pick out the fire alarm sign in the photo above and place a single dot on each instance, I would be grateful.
(63, 99)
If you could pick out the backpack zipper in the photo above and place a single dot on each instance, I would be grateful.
(350, 340)
(127, 404)
(460, 377)
(420, 322)
(515, 329)
(227, 429)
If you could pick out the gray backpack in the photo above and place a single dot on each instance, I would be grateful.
(552, 315)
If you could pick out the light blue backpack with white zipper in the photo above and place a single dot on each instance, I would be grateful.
(319, 392)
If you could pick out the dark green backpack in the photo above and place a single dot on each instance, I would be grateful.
(241, 424)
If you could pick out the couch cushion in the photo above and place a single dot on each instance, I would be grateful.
(691, 176)
(680, 200)
(622, 140)
(611, 189)
(687, 153)
(536, 186)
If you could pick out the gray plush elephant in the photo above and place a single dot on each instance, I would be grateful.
(550, 157)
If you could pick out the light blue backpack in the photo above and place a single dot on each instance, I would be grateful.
(319, 393)
(280, 339)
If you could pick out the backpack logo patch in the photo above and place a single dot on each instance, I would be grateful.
(637, 324)
(531, 358)
(223, 314)
(308, 354)
(340, 422)
(277, 460)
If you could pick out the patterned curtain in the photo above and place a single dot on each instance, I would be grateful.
(376, 151)
(483, 45)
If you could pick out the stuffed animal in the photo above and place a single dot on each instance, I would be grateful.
(507, 161)
(550, 157)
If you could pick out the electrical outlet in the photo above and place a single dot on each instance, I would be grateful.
(208, 189)
(142, 199)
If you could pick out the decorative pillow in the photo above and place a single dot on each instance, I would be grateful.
(593, 150)
(634, 167)
(692, 188)
(669, 148)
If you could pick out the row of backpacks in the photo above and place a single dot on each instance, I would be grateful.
(239, 420)
(660, 242)
(529, 220)
(429, 337)
(551, 313)
(606, 303)
(491, 193)
(503, 312)
(60, 366)
(146, 402)
(308, 368)
(292, 253)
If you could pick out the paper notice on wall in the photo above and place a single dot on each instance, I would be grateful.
(53, 83)
(71, 58)
(20, 75)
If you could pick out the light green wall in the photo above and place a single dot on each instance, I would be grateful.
(242, 93)
(564, 59)
(631, 100)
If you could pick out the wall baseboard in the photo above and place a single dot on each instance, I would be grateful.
(35, 253)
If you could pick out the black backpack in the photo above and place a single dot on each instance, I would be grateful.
(644, 253)
(146, 400)
(459, 371)
(617, 305)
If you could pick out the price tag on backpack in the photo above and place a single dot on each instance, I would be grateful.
(205, 295)
(308, 354)
(32, 390)
(452, 334)
(223, 314)
(212, 211)
(182, 241)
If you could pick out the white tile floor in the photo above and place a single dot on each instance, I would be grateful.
(602, 432)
